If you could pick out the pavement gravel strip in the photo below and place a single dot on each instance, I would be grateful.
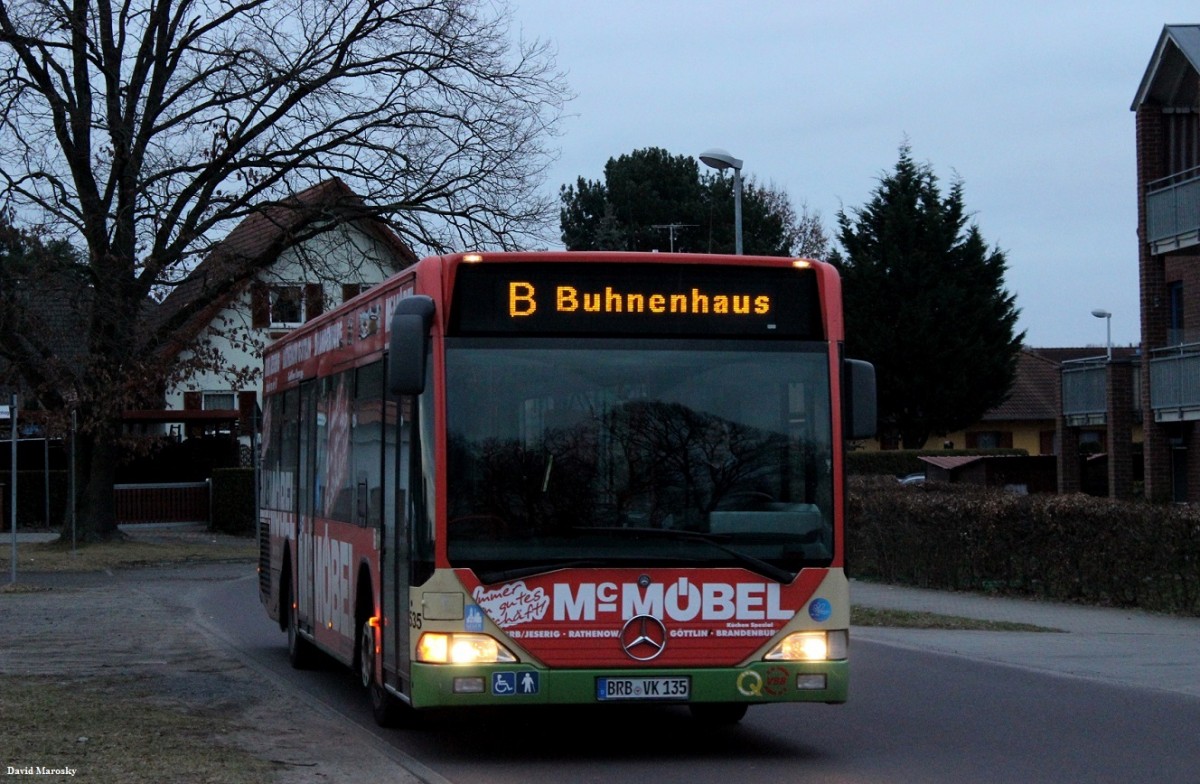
(416, 770)
(1115, 645)
(136, 626)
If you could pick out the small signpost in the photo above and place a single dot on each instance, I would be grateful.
(9, 413)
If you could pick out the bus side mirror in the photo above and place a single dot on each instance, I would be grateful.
(408, 345)
(858, 399)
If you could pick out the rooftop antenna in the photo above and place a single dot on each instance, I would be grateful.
(671, 227)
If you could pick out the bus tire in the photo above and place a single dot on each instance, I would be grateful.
(300, 651)
(718, 714)
(386, 709)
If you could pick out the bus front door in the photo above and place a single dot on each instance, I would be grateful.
(307, 506)
(395, 571)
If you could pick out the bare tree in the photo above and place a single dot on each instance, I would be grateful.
(141, 131)
(810, 237)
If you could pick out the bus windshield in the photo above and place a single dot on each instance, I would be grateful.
(637, 453)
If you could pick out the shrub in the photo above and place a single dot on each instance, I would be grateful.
(31, 499)
(233, 500)
(1064, 547)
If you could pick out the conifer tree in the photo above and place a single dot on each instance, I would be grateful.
(925, 303)
(652, 200)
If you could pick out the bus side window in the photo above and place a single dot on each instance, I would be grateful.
(367, 444)
(335, 479)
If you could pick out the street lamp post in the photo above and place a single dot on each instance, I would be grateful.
(720, 159)
(1104, 314)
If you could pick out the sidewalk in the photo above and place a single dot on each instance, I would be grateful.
(1127, 647)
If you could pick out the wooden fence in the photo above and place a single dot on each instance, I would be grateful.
(175, 502)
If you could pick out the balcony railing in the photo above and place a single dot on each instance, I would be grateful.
(1173, 211)
(1175, 383)
(1085, 392)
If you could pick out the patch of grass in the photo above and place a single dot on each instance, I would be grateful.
(103, 732)
(91, 557)
(908, 619)
(22, 588)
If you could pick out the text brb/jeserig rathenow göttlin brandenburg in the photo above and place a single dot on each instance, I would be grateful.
(523, 301)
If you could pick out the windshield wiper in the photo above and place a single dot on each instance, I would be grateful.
(757, 565)
(504, 575)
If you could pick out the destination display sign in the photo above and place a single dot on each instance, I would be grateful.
(565, 298)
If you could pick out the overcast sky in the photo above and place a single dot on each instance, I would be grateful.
(1026, 101)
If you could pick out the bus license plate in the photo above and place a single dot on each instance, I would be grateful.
(642, 688)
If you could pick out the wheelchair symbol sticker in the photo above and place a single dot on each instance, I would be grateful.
(506, 684)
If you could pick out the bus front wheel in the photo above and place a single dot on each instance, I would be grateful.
(300, 650)
(386, 709)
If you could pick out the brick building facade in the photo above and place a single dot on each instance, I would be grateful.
(1167, 107)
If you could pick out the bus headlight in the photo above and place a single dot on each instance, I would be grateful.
(442, 648)
(811, 646)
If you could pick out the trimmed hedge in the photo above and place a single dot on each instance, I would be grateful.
(1062, 547)
(31, 499)
(233, 501)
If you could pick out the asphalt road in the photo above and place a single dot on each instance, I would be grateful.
(913, 716)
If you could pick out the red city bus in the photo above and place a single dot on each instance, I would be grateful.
(568, 478)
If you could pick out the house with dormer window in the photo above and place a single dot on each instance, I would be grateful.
(216, 386)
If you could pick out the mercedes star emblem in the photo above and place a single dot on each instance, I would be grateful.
(643, 637)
